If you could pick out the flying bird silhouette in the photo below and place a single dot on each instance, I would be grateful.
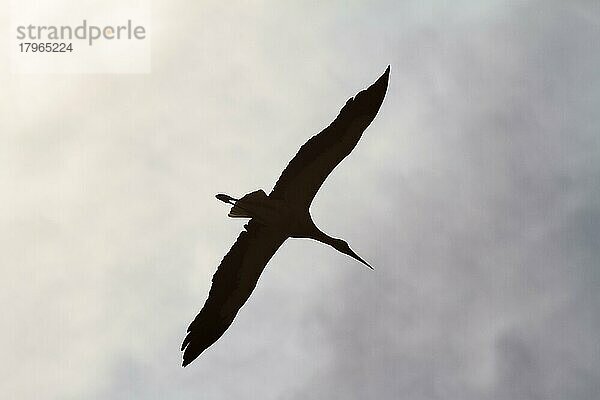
(284, 213)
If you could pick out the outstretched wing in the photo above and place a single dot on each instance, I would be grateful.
(304, 175)
(232, 284)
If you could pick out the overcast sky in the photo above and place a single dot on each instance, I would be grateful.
(475, 194)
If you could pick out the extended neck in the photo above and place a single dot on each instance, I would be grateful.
(337, 244)
(322, 237)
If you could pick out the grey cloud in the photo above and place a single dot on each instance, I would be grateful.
(486, 286)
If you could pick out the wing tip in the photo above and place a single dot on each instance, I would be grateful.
(185, 363)
(372, 97)
(188, 357)
(384, 78)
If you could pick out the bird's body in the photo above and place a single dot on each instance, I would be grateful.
(282, 214)
(277, 214)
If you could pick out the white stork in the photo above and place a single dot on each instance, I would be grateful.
(284, 213)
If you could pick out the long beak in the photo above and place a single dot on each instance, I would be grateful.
(357, 257)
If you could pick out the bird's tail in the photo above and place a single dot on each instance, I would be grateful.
(242, 207)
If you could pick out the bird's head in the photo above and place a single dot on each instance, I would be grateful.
(344, 247)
